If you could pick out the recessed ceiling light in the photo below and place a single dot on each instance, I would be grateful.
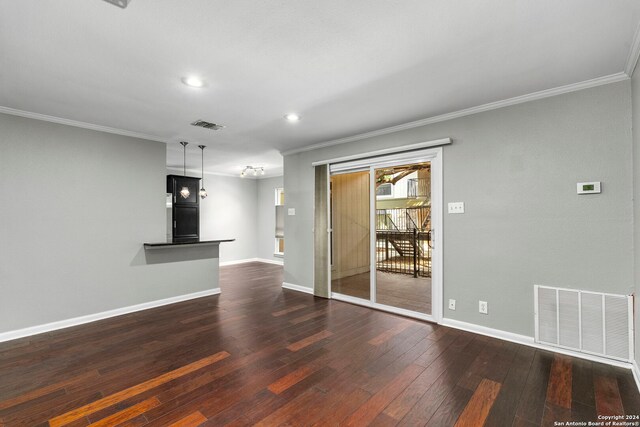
(292, 117)
(193, 81)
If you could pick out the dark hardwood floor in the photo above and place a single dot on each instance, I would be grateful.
(392, 289)
(261, 355)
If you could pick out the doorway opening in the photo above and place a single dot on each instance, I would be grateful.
(403, 237)
(383, 219)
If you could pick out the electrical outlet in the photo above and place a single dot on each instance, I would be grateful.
(452, 304)
(482, 307)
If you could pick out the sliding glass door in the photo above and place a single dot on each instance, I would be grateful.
(383, 218)
(403, 234)
(350, 260)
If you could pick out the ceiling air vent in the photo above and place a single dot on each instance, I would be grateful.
(206, 125)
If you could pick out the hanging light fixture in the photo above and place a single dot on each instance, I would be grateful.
(184, 192)
(253, 169)
(203, 192)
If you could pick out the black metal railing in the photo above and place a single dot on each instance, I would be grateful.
(403, 241)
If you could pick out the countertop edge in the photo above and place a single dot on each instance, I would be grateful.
(168, 245)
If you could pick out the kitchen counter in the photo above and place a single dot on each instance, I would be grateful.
(187, 243)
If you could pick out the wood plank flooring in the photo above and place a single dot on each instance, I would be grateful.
(392, 289)
(261, 355)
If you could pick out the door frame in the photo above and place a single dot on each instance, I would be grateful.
(434, 156)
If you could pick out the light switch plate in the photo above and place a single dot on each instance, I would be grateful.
(456, 207)
(291, 211)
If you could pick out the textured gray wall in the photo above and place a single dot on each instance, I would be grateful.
(267, 217)
(231, 211)
(635, 96)
(76, 207)
(516, 169)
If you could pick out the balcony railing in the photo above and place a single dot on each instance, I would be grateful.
(418, 187)
(403, 241)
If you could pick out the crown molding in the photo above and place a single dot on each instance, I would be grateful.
(599, 81)
(75, 123)
(634, 54)
(198, 172)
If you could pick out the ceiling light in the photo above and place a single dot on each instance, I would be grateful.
(255, 170)
(193, 81)
(292, 117)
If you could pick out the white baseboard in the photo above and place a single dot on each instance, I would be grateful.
(61, 324)
(529, 341)
(243, 261)
(298, 288)
(270, 261)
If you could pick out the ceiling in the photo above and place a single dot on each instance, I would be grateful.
(347, 67)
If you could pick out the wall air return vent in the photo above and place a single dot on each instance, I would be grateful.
(585, 321)
(207, 125)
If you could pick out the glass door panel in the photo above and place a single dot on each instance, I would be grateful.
(403, 237)
(350, 240)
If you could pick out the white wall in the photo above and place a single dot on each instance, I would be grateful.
(231, 211)
(267, 217)
(241, 209)
(516, 169)
(77, 206)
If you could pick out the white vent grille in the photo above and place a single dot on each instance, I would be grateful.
(585, 321)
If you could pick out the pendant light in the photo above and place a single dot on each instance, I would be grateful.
(203, 192)
(184, 192)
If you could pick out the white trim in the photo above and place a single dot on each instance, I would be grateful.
(536, 327)
(528, 341)
(237, 261)
(382, 307)
(636, 373)
(437, 234)
(599, 81)
(373, 236)
(197, 172)
(365, 157)
(270, 261)
(329, 230)
(246, 260)
(632, 329)
(433, 155)
(84, 125)
(634, 54)
(62, 324)
(298, 288)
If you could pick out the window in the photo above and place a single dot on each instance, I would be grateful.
(279, 234)
(384, 191)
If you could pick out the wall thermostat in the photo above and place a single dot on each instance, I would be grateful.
(589, 187)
